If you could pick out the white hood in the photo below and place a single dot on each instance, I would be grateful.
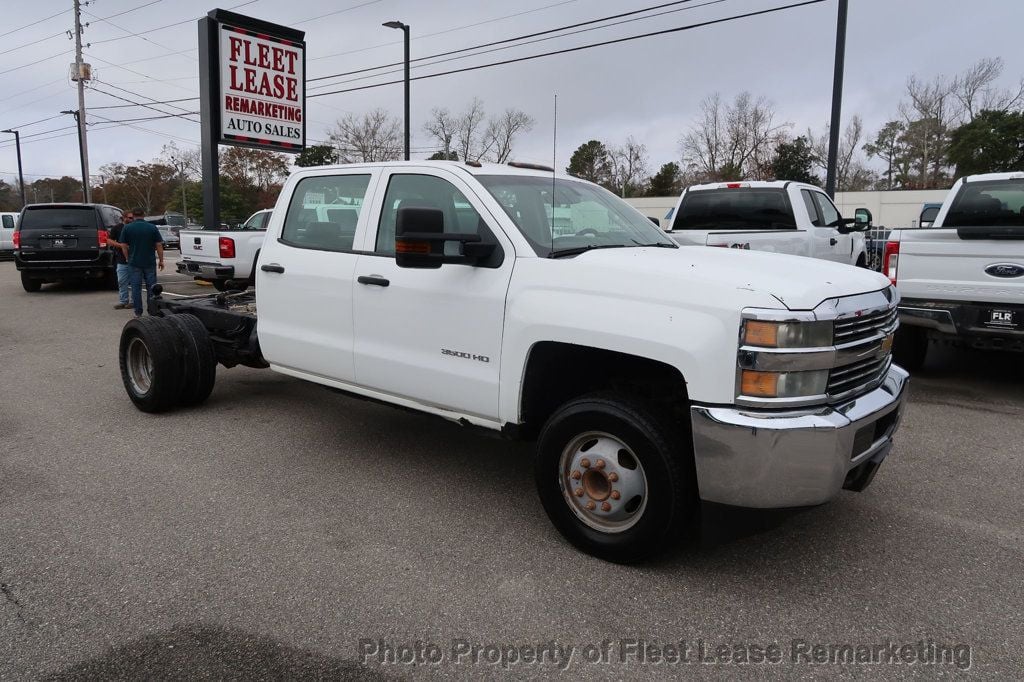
(797, 282)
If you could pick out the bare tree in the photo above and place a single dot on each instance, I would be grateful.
(852, 172)
(629, 166)
(732, 140)
(442, 127)
(975, 92)
(930, 112)
(471, 140)
(374, 136)
(502, 132)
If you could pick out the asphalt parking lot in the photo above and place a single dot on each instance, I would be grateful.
(282, 530)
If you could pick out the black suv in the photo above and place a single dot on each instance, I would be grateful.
(56, 242)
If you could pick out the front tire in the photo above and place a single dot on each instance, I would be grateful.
(910, 348)
(151, 363)
(615, 477)
(30, 285)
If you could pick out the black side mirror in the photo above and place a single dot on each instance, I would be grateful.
(654, 220)
(862, 218)
(420, 240)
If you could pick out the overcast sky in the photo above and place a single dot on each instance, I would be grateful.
(649, 88)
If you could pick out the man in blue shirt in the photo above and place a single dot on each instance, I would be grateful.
(145, 250)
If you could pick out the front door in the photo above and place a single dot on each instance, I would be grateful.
(829, 242)
(305, 276)
(432, 335)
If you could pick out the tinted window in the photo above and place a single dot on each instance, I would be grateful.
(559, 214)
(929, 214)
(323, 212)
(63, 217)
(829, 215)
(812, 207)
(737, 208)
(988, 203)
(176, 220)
(427, 191)
(8, 222)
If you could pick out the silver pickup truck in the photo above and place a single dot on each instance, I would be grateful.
(962, 279)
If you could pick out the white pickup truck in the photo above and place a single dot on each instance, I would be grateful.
(777, 216)
(226, 257)
(962, 279)
(653, 377)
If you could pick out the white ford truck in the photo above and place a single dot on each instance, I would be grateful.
(776, 216)
(224, 257)
(962, 279)
(653, 377)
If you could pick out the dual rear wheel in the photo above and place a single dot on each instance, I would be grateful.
(167, 362)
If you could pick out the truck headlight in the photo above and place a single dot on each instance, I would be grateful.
(758, 384)
(790, 334)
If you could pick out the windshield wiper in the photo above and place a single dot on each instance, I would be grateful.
(660, 245)
(576, 250)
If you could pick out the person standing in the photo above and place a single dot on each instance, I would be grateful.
(124, 276)
(145, 255)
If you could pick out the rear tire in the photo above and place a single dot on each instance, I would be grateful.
(30, 285)
(151, 363)
(199, 362)
(615, 477)
(910, 348)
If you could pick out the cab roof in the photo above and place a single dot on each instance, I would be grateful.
(751, 184)
(512, 168)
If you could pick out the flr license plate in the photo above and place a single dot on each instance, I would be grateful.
(998, 318)
(63, 243)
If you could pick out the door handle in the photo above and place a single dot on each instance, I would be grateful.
(272, 267)
(373, 280)
(833, 241)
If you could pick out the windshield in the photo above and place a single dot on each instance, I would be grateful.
(740, 207)
(988, 203)
(176, 220)
(581, 217)
(66, 217)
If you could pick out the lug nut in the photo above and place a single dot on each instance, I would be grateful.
(600, 464)
(613, 477)
(578, 492)
(576, 475)
(605, 506)
(585, 463)
(591, 505)
(616, 494)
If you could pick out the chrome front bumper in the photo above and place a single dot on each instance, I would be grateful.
(762, 458)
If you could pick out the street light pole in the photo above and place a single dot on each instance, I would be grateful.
(21, 177)
(405, 31)
(81, 156)
(837, 101)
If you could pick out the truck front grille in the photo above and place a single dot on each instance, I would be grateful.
(849, 329)
(860, 375)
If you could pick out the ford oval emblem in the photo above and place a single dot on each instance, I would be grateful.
(1005, 270)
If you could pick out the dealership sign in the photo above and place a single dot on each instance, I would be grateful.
(262, 88)
(255, 81)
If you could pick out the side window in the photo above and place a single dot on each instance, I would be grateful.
(812, 208)
(427, 191)
(829, 215)
(8, 222)
(324, 211)
(257, 222)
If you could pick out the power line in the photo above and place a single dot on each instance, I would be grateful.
(137, 73)
(510, 40)
(147, 106)
(339, 11)
(25, 66)
(448, 30)
(577, 48)
(26, 125)
(33, 42)
(177, 23)
(148, 99)
(21, 28)
(522, 44)
(124, 106)
(131, 34)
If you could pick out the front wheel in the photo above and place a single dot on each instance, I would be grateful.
(615, 477)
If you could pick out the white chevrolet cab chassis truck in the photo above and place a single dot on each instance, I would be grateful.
(652, 376)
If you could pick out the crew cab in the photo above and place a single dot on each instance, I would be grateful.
(58, 242)
(223, 257)
(962, 279)
(653, 377)
(777, 216)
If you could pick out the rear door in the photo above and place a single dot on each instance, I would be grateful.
(60, 232)
(305, 277)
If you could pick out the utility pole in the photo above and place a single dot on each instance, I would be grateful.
(837, 102)
(21, 177)
(405, 31)
(82, 73)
